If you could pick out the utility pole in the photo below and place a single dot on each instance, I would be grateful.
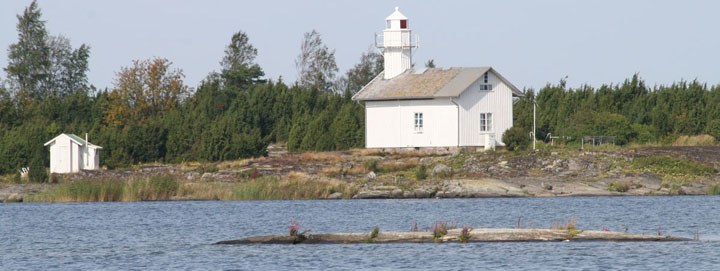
(534, 117)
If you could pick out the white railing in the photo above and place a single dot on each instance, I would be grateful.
(406, 41)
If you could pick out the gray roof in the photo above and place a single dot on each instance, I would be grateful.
(426, 84)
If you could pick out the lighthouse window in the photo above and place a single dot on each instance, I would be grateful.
(403, 24)
(387, 24)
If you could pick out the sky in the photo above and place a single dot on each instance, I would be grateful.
(531, 43)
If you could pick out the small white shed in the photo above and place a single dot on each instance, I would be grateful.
(70, 153)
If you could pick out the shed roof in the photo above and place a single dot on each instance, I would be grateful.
(426, 84)
(76, 139)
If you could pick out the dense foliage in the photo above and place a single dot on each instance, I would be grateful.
(631, 111)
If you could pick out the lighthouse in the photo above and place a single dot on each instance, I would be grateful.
(396, 43)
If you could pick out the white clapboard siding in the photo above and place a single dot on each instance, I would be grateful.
(474, 101)
(391, 124)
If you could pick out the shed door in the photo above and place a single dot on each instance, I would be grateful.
(62, 159)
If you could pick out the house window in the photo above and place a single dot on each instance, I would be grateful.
(418, 122)
(486, 122)
(485, 85)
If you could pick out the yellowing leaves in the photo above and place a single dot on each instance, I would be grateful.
(148, 88)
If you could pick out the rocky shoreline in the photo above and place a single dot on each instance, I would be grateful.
(455, 236)
(372, 174)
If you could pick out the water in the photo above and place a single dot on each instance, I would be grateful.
(178, 235)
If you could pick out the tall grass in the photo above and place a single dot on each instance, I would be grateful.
(159, 187)
(698, 140)
(671, 166)
(714, 189)
(153, 188)
(292, 187)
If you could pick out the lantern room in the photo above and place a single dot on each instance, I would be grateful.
(396, 20)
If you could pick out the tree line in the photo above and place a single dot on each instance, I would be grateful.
(150, 114)
(630, 111)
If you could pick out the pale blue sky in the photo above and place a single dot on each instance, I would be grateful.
(530, 42)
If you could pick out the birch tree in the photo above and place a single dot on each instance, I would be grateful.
(316, 64)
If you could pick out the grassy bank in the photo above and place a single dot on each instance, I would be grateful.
(163, 187)
(158, 187)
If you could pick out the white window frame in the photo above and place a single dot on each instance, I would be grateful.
(419, 122)
(486, 122)
(485, 85)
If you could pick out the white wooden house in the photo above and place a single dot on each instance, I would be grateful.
(70, 153)
(434, 107)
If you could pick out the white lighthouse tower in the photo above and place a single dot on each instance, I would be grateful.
(396, 43)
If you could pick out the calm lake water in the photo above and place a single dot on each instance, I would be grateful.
(179, 235)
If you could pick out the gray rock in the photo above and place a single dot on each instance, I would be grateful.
(573, 165)
(372, 194)
(441, 170)
(336, 195)
(408, 194)
(14, 197)
(422, 193)
(192, 175)
(396, 193)
(385, 187)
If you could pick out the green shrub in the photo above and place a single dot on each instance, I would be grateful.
(713, 128)
(373, 234)
(644, 133)
(421, 172)
(516, 138)
(618, 187)
(38, 172)
(371, 165)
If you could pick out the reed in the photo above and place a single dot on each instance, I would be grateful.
(82, 191)
(714, 189)
(158, 187)
(290, 188)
